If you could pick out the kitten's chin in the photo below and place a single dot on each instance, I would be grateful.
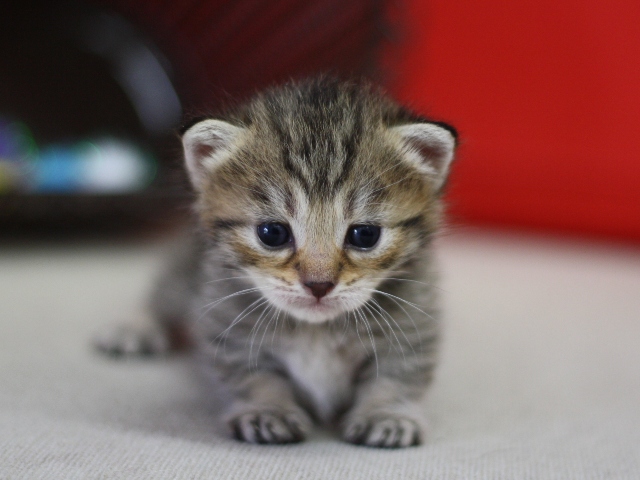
(309, 311)
(316, 314)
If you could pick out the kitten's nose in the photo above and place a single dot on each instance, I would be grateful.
(319, 289)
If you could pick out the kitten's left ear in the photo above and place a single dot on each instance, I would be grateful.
(430, 147)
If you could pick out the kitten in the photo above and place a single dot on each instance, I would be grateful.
(308, 288)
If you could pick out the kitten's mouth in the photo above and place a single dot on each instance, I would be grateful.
(308, 308)
(311, 309)
(313, 304)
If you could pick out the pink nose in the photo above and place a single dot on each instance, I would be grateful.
(319, 289)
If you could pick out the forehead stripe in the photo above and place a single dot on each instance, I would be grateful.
(227, 224)
(416, 221)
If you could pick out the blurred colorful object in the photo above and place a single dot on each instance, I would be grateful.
(104, 165)
(129, 69)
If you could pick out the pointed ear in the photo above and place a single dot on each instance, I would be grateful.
(430, 147)
(206, 145)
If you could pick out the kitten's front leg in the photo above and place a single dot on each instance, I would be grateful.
(264, 410)
(387, 413)
(141, 336)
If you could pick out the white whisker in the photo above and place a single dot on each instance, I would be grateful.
(355, 319)
(275, 328)
(384, 312)
(415, 327)
(399, 348)
(264, 332)
(252, 335)
(228, 278)
(218, 301)
(413, 305)
(373, 345)
(389, 339)
(242, 315)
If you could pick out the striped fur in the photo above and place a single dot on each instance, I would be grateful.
(317, 156)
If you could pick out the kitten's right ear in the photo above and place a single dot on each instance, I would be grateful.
(206, 145)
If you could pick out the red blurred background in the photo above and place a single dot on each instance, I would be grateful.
(546, 96)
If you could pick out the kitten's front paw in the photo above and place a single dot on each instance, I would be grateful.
(132, 340)
(270, 427)
(383, 432)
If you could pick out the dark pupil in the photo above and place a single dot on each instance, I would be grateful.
(363, 236)
(273, 234)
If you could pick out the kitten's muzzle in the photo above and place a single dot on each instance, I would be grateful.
(319, 289)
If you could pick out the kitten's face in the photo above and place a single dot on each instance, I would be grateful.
(318, 257)
(318, 207)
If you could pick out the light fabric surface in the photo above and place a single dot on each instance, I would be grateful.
(539, 375)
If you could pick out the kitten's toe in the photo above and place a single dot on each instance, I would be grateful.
(131, 340)
(383, 432)
(269, 427)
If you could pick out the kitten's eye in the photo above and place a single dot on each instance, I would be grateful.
(273, 234)
(363, 236)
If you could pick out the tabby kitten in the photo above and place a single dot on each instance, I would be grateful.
(308, 288)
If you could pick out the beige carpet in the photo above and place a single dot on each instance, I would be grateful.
(540, 373)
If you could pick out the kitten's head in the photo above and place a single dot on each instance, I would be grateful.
(318, 191)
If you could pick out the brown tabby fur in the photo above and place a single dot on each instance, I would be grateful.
(319, 157)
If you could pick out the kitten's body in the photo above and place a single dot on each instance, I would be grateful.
(318, 326)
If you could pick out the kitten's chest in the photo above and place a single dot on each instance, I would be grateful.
(323, 368)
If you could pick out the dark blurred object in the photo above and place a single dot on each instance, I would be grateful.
(226, 49)
(87, 118)
(77, 78)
